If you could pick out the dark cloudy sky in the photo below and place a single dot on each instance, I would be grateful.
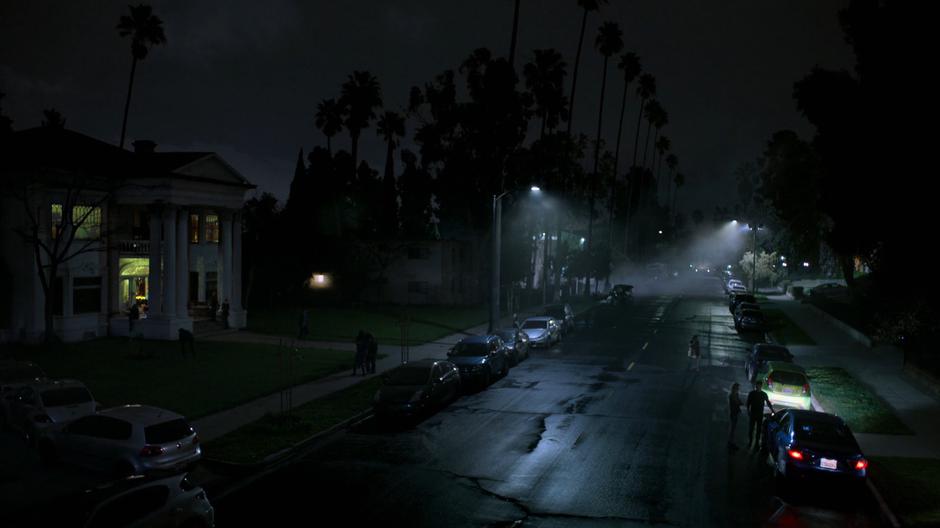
(243, 77)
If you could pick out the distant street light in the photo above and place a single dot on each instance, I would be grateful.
(806, 264)
(660, 231)
(535, 188)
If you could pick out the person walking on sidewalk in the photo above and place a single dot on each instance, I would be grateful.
(372, 353)
(695, 351)
(734, 408)
(362, 347)
(756, 399)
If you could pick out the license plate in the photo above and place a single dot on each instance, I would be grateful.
(787, 390)
(827, 463)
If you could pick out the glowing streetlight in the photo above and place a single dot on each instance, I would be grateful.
(497, 235)
(535, 188)
(660, 231)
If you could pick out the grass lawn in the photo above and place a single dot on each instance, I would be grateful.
(784, 329)
(427, 323)
(909, 486)
(271, 434)
(840, 393)
(221, 376)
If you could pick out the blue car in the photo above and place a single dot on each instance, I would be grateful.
(806, 444)
(481, 359)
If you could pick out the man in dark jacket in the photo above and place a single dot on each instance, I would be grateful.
(756, 399)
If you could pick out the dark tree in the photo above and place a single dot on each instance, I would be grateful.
(587, 6)
(52, 119)
(329, 120)
(146, 31)
(361, 97)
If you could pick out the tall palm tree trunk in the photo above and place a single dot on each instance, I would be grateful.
(597, 152)
(515, 33)
(610, 205)
(646, 147)
(127, 103)
(574, 76)
(636, 137)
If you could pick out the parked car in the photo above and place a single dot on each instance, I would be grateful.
(620, 294)
(515, 344)
(812, 444)
(480, 359)
(750, 321)
(738, 298)
(125, 440)
(829, 290)
(13, 375)
(417, 387)
(736, 289)
(542, 331)
(786, 384)
(760, 354)
(42, 405)
(167, 501)
(732, 283)
(562, 313)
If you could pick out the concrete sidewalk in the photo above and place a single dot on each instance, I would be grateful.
(879, 367)
(223, 422)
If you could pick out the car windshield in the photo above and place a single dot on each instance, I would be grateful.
(824, 433)
(787, 378)
(167, 431)
(507, 335)
(470, 349)
(535, 323)
(20, 373)
(68, 396)
(773, 354)
(407, 376)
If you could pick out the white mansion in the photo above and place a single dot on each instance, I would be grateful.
(160, 230)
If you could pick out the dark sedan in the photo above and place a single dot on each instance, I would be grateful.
(481, 359)
(750, 321)
(760, 354)
(809, 443)
(739, 298)
(417, 387)
(515, 344)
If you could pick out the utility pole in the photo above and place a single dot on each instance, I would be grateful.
(754, 262)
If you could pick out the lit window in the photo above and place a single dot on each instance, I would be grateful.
(87, 222)
(212, 228)
(56, 223)
(194, 228)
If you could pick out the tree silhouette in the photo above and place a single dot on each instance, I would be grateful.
(672, 163)
(146, 31)
(329, 120)
(391, 126)
(646, 88)
(587, 6)
(655, 117)
(361, 96)
(52, 119)
(679, 181)
(515, 34)
(609, 41)
(544, 77)
(663, 146)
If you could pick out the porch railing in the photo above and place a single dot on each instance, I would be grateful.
(134, 247)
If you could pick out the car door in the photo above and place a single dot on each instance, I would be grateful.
(436, 387)
(450, 379)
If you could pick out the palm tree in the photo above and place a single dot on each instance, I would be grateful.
(630, 66)
(672, 162)
(515, 34)
(654, 112)
(679, 181)
(608, 42)
(588, 6)
(544, 78)
(145, 30)
(361, 95)
(663, 145)
(646, 88)
(329, 119)
(390, 127)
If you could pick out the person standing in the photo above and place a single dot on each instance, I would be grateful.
(225, 310)
(303, 325)
(132, 316)
(372, 353)
(695, 351)
(756, 399)
(734, 408)
(362, 346)
(213, 306)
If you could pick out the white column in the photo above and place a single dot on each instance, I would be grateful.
(225, 280)
(169, 261)
(182, 263)
(236, 299)
(153, 280)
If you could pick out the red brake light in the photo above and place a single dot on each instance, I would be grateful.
(770, 382)
(795, 454)
(42, 418)
(149, 451)
(861, 464)
(806, 388)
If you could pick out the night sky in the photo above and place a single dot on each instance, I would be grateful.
(243, 78)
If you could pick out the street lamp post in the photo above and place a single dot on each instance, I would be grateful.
(497, 246)
(754, 261)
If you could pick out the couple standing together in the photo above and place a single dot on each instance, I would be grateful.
(367, 349)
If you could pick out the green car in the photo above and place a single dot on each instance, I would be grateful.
(786, 385)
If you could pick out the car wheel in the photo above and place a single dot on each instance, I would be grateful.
(487, 377)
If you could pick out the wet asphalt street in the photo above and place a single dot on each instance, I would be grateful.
(610, 428)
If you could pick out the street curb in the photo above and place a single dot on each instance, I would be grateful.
(886, 512)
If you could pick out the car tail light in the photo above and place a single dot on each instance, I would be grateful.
(861, 464)
(770, 383)
(806, 388)
(795, 454)
(42, 418)
(149, 451)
